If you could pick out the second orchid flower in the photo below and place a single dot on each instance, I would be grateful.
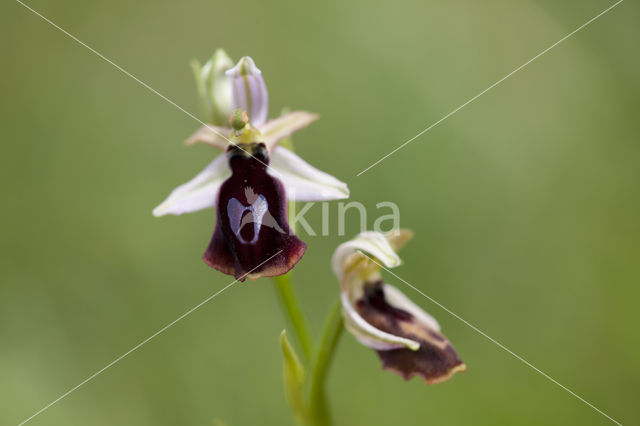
(406, 338)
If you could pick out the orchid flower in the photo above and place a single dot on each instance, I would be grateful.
(251, 182)
(406, 338)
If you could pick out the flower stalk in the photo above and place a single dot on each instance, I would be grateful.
(293, 311)
(333, 327)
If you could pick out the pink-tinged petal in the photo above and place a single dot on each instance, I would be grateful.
(215, 136)
(284, 126)
(302, 181)
(197, 194)
(252, 236)
(249, 91)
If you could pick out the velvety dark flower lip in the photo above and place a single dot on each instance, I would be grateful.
(251, 219)
(435, 360)
(405, 337)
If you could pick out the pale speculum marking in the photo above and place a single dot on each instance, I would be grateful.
(238, 219)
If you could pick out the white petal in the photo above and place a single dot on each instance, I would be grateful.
(197, 194)
(284, 126)
(397, 299)
(367, 334)
(215, 136)
(302, 181)
(374, 244)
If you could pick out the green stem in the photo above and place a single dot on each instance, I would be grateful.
(331, 334)
(292, 307)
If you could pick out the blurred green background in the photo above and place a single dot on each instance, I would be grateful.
(525, 206)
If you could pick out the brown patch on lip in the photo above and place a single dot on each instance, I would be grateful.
(435, 361)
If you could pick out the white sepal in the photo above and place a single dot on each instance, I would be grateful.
(373, 243)
(220, 86)
(367, 334)
(397, 299)
(214, 87)
(199, 193)
(302, 181)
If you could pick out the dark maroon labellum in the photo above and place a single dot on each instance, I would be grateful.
(435, 361)
(252, 236)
